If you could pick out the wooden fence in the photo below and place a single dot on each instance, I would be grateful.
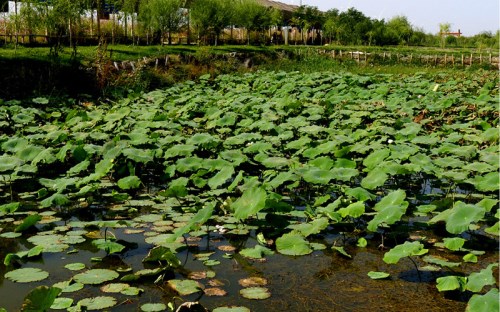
(437, 59)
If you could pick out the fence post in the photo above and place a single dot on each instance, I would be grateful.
(453, 60)
(445, 58)
(333, 53)
(491, 61)
(462, 60)
(481, 58)
(471, 59)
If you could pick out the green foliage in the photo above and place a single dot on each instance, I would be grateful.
(407, 249)
(40, 299)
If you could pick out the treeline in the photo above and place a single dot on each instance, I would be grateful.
(212, 21)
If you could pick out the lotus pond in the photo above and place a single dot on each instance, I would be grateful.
(257, 192)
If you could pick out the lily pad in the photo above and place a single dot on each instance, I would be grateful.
(484, 303)
(97, 303)
(61, 303)
(40, 299)
(26, 275)
(378, 275)
(95, 276)
(258, 293)
(293, 244)
(75, 266)
(185, 287)
(407, 249)
(153, 307)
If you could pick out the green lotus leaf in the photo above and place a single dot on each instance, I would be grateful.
(251, 201)
(318, 176)
(130, 182)
(61, 303)
(40, 299)
(29, 152)
(56, 199)
(452, 282)
(341, 251)
(114, 287)
(493, 230)
(9, 208)
(275, 162)
(10, 235)
(9, 163)
(255, 293)
(324, 163)
(360, 194)
(344, 174)
(487, 183)
(153, 307)
(293, 244)
(138, 155)
(179, 150)
(69, 286)
(234, 156)
(97, 303)
(117, 115)
(362, 242)
(28, 222)
(374, 179)
(194, 223)
(461, 216)
(454, 243)
(407, 249)
(45, 157)
(376, 157)
(14, 145)
(95, 276)
(313, 227)
(258, 252)
(221, 177)
(189, 164)
(478, 280)
(26, 275)
(470, 257)
(108, 245)
(378, 275)
(344, 163)
(354, 210)
(161, 253)
(388, 215)
(283, 177)
(484, 303)
(440, 261)
(185, 287)
(75, 266)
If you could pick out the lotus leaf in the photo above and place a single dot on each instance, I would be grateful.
(130, 182)
(40, 299)
(231, 309)
(61, 303)
(378, 275)
(478, 280)
(95, 276)
(258, 293)
(185, 287)
(484, 303)
(153, 307)
(75, 266)
(26, 275)
(454, 243)
(258, 252)
(452, 282)
(407, 249)
(28, 222)
(97, 303)
(252, 201)
(293, 244)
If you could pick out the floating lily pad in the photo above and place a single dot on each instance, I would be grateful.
(75, 266)
(26, 275)
(255, 293)
(153, 307)
(97, 303)
(114, 287)
(378, 275)
(40, 299)
(185, 287)
(215, 291)
(61, 303)
(96, 276)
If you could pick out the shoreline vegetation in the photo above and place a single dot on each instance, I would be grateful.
(114, 71)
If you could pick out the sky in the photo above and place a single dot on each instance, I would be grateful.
(471, 17)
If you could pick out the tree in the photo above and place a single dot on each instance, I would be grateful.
(212, 16)
(444, 28)
(308, 18)
(355, 27)
(164, 16)
(253, 16)
(400, 29)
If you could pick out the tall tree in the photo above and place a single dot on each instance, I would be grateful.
(444, 28)
(164, 16)
(253, 16)
(212, 16)
(400, 29)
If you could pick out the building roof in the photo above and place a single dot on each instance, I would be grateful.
(278, 5)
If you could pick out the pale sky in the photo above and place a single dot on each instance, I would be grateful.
(471, 17)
